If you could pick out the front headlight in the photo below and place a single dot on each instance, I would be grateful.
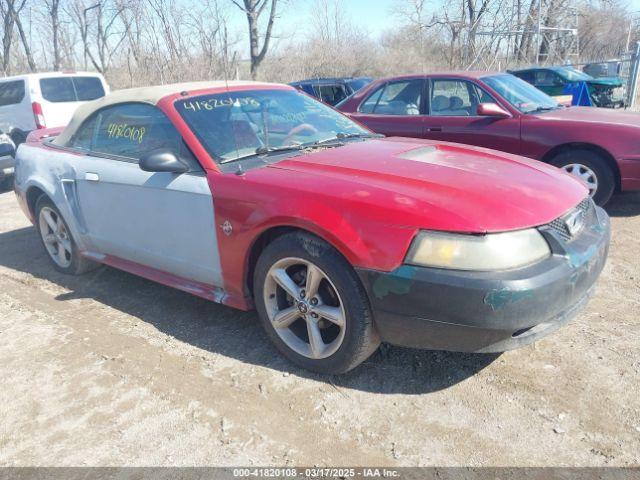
(494, 251)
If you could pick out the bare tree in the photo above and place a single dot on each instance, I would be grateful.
(53, 11)
(101, 30)
(11, 10)
(253, 9)
(7, 37)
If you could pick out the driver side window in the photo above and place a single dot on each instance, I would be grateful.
(129, 131)
(457, 98)
(451, 98)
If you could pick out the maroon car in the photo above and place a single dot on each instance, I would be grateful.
(500, 111)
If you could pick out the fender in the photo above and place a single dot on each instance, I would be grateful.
(245, 210)
(34, 169)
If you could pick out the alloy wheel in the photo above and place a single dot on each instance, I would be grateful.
(304, 308)
(55, 237)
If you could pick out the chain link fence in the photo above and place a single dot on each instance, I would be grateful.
(626, 66)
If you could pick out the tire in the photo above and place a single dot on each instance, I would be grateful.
(346, 340)
(73, 263)
(584, 163)
(18, 136)
(6, 184)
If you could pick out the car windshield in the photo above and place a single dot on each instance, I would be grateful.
(574, 75)
(239, 124)
(522, 95)
(358, 83)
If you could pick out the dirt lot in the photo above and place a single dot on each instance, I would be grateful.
(111, 369)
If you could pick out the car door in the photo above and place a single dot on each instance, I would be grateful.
(394, 109)
(160, 220)
(452, 117)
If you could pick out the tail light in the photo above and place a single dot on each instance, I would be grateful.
(38, 115)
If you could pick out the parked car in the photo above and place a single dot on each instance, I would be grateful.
(606, 92)
(500, 111)
(7, 161)
(332, 90)
(339, 238)
(39, 100)
(612, 68)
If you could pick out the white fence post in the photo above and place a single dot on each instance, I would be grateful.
(633, 79)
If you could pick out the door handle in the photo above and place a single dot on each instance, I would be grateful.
(92, 177)
(434, 129)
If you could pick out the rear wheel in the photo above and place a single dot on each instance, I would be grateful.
(592, 169)
(58, 241)
(312, 305)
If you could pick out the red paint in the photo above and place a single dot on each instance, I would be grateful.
(36, 137)
(369, 203)
(367, 199)
(195, 288)
(532, 135)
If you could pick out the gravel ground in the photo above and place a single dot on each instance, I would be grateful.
(111, 369)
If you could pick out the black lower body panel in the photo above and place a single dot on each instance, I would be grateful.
(488, 311)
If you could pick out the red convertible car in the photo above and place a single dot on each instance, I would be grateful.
(500, 111)
(255, 194)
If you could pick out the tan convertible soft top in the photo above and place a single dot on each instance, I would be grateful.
(151, 95)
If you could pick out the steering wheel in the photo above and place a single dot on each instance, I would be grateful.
(303, 127)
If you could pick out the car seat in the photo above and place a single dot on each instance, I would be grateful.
(398, 107)
(244, 134)
(439, 105)
(456, 107)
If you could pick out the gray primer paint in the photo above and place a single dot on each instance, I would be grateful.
(161, 220)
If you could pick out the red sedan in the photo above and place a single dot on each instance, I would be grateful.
(256, 195)
(497, 110)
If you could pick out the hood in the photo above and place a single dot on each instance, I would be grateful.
(608, 116)
(433, 185)
(606, 82)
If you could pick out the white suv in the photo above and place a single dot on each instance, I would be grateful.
(40, 100)
(45, 100)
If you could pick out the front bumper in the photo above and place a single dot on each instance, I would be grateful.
(489, 311)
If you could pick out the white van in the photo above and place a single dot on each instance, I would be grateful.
(45, 100)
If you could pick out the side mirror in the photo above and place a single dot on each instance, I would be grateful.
(492, 110)
(162, 161)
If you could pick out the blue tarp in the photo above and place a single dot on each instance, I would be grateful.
(580, 94)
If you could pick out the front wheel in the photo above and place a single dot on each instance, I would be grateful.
(312, 305)
(592, 169)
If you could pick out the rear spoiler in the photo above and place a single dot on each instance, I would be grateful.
(39, 135)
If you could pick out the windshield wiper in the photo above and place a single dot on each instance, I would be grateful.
(544, 109)
(327, 143)
(260, 151)
(344, 136)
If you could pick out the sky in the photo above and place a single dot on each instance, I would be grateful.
(375, 16)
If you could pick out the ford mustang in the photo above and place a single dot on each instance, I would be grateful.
(257, 195)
